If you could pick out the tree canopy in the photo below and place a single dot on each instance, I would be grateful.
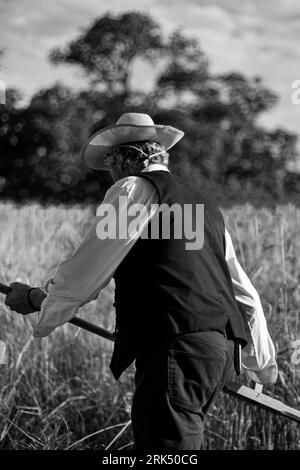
(225, 150)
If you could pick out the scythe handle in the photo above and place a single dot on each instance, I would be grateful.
(85, 325)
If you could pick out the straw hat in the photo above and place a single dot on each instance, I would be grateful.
(130, 127)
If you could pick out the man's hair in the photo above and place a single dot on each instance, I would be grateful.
(133, 154)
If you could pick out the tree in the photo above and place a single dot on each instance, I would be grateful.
(22, 140)
(246, 98)
(69, 116)
(224, 147)
(186, 69)
(108, 48)
(223, 143)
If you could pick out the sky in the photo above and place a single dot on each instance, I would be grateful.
(254, 37)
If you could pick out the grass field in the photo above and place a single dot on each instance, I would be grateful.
(58, 393)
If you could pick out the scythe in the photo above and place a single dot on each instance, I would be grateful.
(242, 392)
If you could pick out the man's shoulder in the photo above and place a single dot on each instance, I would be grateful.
(127, 184)
(134, 188)
(196, 192)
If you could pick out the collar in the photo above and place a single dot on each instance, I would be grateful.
(155, 167)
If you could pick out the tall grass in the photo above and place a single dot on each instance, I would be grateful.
(58, 393)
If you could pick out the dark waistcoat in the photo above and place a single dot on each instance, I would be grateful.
(162, 289)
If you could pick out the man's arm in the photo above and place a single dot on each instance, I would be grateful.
(258, 357)
(80, 277)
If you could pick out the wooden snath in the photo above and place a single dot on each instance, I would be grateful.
(254, 396)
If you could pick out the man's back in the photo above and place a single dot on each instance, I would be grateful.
(164, 288)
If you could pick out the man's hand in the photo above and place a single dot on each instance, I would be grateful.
(17, 298)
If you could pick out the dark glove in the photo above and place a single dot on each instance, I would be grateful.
(18, 300)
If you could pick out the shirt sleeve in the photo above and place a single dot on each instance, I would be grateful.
(126, 210)
(258, 357)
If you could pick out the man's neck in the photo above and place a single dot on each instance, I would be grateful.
(152, 167)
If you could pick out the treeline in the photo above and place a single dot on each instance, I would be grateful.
(225, 150)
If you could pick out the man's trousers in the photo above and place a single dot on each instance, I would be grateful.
(175, 387)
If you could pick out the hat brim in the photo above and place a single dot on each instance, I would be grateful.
(97, 146)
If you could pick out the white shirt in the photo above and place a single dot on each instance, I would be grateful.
(80, 278)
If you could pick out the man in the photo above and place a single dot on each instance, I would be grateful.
(180, 308)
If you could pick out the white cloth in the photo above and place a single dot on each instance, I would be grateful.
(258, 357)
(2, 352)
(80, 278)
